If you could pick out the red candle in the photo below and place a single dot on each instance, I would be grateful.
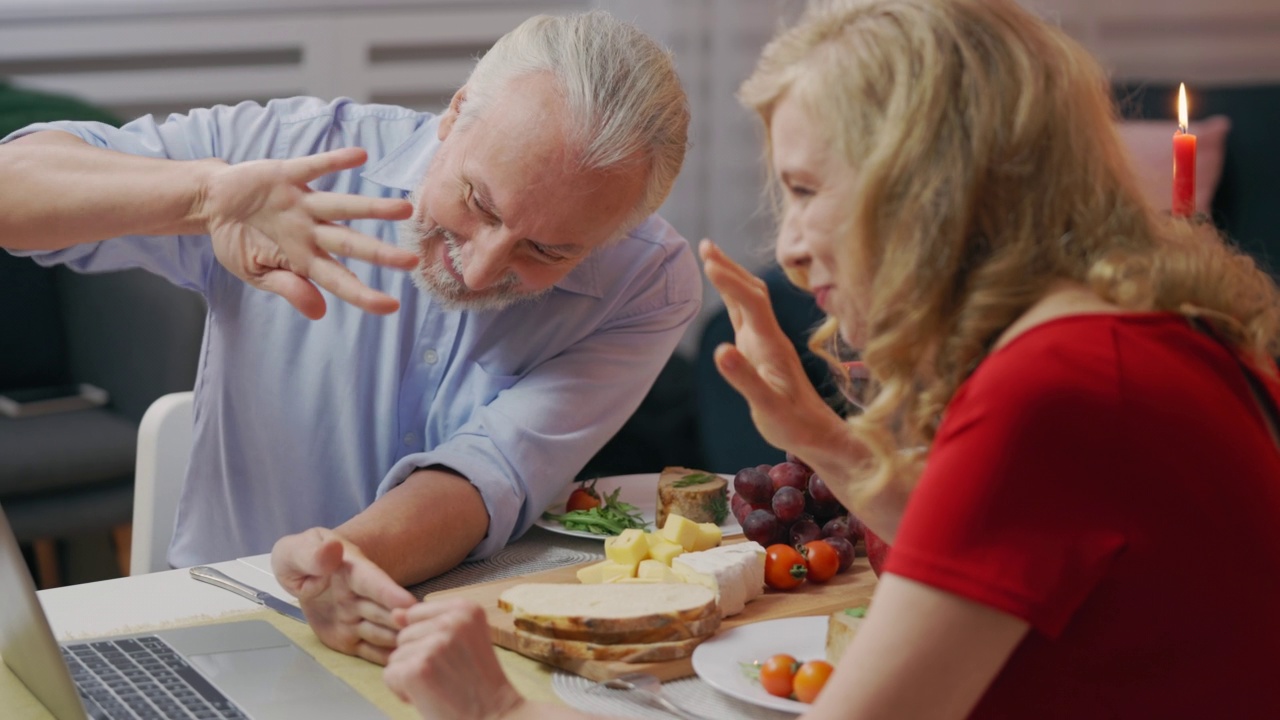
(1184, 162)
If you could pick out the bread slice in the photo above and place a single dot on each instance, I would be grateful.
(842, 625)
(608, 610)
(670, 632)
(554, 649)
(679, 493)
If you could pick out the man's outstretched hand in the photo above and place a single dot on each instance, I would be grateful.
(272, 231)
(346, 597)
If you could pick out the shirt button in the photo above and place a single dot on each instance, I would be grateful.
(410, 439)
(430, 357)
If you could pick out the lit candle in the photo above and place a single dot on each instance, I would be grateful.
(1184, 162)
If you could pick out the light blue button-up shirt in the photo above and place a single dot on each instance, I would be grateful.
(301, 423)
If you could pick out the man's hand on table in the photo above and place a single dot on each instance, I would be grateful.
(348, 600)
(445, 665)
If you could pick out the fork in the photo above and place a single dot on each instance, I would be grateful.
(650, 687)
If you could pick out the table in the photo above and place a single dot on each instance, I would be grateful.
(172, 598)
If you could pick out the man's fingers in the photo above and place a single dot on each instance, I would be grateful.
(332, 207)
(376, 613)
(300, 293)
(303, 563)
(305, 169)
(376, 635)
(369, 581)
(332, 276)
(373, 653)
(344, 241)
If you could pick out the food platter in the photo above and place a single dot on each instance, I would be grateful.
(718, 661)
(640, 490)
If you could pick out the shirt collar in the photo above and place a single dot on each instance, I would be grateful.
(402, 169)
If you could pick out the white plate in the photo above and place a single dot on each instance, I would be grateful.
(639, 490)
(718, 661)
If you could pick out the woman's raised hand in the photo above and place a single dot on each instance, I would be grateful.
(761, 363)
(272, 231)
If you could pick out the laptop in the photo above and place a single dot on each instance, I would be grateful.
(227, 671)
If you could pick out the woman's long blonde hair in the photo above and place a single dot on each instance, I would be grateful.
(988, 168)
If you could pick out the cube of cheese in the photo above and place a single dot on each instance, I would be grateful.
(681, 531)
(605, 571)
(708, 536)
(628, 548)
(663, 550)
(657, 570)
(593, 573)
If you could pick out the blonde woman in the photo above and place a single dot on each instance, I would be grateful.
(1070, 433)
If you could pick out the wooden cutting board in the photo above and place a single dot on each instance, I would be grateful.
(851, 588)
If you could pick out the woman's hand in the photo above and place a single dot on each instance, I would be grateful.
(763, 367)
(272, 231)
(445, 666)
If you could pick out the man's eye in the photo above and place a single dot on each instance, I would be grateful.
(547, 254)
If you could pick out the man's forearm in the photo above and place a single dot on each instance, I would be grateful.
(58, 191)
(423, 527)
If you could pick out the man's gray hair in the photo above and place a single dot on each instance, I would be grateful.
(620, 87)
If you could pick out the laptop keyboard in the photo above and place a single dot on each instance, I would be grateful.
(143, 678)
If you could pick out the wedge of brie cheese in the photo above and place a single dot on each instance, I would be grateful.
(734, 572)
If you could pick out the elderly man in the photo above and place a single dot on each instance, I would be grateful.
(470, 372)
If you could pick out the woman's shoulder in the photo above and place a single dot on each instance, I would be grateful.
(1085, 355)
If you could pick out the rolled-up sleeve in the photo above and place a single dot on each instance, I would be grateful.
(247, 131)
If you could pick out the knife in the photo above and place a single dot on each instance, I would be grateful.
(217, 578)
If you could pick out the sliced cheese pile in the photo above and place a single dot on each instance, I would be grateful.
(686, 552)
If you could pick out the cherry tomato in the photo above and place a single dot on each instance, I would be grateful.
(777, 673)
(784, 567)
(823, 560)
(810, 678)
(583, 498)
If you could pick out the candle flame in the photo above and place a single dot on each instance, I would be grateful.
(1182, 107)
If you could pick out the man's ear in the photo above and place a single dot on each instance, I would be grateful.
(450, 116)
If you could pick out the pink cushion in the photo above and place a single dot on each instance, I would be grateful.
(1150, 144)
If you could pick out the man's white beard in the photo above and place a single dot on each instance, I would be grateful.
(431, 276)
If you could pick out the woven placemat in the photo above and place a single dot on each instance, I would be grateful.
(538, 550)
(691, 693)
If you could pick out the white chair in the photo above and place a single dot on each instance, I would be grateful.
(164, 449)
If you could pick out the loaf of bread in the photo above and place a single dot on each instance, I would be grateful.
(697, 495)
(842, 625)
(613, 611)
(556, 649)
(673, 630)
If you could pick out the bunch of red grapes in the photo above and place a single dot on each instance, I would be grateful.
(789, 503)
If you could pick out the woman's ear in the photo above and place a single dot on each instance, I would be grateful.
(450, 116)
